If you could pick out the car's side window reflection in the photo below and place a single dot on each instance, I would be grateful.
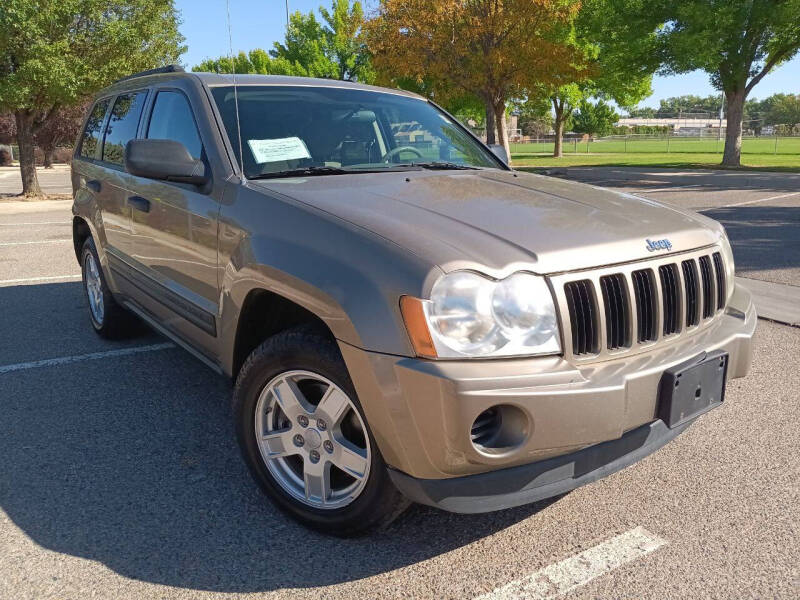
(91, 133)
(172, 119)
(122, 126)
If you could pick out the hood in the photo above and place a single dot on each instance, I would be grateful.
(501, 221)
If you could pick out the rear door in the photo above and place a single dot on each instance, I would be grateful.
(174, 229)
(121, 125)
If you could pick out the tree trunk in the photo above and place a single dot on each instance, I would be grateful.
(27, 160)
(733, 132)
(502, 131)
(558, 148)
(48, 157)
(491, 139)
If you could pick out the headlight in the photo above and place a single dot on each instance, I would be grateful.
(469, 315)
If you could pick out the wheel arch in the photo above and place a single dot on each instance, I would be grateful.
(265, 313)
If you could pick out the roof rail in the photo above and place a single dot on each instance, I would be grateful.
(167, 69)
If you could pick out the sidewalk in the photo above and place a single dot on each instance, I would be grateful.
(774, 301)
(52, 181)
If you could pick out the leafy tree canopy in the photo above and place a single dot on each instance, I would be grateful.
(737, 42)
(488, 49)
(595, 119)
(55, 53)
(332, 48)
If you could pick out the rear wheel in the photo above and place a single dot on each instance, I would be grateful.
(306, 440)
(108, 318)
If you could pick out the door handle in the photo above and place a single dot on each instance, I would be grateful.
(94, 185)
(139, 203)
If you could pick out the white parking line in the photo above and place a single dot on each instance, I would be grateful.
(669, 189)
(762, 200)
(36, 223)
(64, 360)
(30, 279)
(36, 242)
(564, 576)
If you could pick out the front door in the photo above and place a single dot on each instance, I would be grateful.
(174, 232)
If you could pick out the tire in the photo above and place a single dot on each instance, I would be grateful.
(303, 363)
(110, 320)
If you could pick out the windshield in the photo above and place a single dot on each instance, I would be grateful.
(327, 130)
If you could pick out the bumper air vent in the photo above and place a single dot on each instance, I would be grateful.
(615, 301)
(485, 427)
(582, 306)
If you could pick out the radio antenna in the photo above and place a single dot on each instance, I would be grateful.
(235, 91)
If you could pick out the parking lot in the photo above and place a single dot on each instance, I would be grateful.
(120, 476)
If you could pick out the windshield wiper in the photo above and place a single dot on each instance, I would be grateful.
(327, 170)
(443, 165)
(303, 171)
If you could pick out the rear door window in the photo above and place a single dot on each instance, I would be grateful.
(122, 126)
(91, 133)
(172, 119)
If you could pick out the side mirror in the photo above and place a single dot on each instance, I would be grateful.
(500, 152)
(164, 159)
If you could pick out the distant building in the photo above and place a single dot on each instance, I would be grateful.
(684, 125)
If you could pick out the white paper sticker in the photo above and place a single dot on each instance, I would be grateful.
(267, 151)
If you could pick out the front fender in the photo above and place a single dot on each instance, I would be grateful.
(349, 277)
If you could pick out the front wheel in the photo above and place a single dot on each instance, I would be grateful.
(108, 318)
(305, 438)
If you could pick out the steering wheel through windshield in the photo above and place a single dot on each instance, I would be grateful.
(395, 152)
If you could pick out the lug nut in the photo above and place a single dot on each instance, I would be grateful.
(303, 420)
(328, 445)
(321, 425)
(298, 440)
(314, 456)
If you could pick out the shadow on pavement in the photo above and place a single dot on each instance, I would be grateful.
(706, 180)
(131, 461)
(763, 237)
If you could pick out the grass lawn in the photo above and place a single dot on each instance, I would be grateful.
(757, 153)
(685, 160)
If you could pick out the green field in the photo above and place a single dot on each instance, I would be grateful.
(760, 153)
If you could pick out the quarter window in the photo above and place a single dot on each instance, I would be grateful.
(172, 119)
(91, 134)
(122, 126)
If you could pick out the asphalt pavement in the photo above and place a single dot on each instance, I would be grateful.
(120, 478)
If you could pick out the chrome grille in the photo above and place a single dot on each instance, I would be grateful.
(632, 307)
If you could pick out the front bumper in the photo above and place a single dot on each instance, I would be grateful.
(524, 484)
(421, 413)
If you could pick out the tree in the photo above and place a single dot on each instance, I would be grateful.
(61, 129)
(784, 109)
(595, 119)
(333, 49)
(490, 49)
(54, 53)
(616, 60)
(737, 42)
(534, 116)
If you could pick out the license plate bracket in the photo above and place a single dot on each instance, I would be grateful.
(692, 388)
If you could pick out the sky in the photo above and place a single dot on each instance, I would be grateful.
(259, 23)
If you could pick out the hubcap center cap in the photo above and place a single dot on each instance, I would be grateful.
(313, 438)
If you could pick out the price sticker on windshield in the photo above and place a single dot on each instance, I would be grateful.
(279, 149)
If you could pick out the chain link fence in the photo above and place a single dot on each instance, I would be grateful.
(657, 144)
